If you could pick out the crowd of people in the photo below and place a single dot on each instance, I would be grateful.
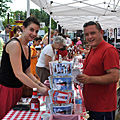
(26, 65)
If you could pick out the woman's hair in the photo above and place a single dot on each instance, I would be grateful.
(16, 29)
(59, 39)
(30, 20)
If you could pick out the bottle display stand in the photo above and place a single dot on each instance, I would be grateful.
(62, 90)
(61, 93)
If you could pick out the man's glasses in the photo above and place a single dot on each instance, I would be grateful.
(10, 28)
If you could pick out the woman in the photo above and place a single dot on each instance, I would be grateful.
(15, 68)
(47, 55)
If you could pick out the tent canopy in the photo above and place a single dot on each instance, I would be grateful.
(72, 14)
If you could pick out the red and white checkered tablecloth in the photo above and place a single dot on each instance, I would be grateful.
(23, 115)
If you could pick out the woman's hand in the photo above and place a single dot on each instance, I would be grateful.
(43, 90)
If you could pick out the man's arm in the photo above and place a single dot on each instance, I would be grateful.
(111, 77)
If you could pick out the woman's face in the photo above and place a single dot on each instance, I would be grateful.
(31, 31)
(58, 46)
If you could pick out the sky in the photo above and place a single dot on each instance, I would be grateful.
(21, 5)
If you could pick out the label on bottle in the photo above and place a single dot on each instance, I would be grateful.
(34, 107)
(78, 101)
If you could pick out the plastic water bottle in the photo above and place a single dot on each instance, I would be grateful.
(83, 55)
(78, 105)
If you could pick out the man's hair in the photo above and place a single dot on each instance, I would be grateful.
(92, 23)
(30, 20)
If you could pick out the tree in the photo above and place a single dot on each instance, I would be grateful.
(11, 21)
(3, 7)
(41, 15)
(22, 15)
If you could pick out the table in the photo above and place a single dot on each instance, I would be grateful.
(25, 115)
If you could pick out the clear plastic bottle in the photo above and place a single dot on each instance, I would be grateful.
(78, 104)
(60, 59)
(83, 55)
(35, 103)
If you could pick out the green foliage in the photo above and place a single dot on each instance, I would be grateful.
(53, 24)
(22, 15)
(3, 7)
(41, 15)
(11, 21)
(45, 28)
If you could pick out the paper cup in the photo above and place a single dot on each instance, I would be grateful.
(45, 116)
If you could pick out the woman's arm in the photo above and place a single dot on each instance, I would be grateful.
(31, 76)
(14, 51)
(47, 60)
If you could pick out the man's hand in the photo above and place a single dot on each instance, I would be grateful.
(85, 79)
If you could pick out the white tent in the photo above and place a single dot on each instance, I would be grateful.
(72, 14)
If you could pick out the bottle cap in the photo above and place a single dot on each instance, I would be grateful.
(34, 89)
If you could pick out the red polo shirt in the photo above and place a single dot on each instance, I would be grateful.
(100, 98)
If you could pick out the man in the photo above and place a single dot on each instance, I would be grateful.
(5, 33)
(100, 75)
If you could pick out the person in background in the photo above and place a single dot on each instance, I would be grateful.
(69, 41)
(56, 32)
(40, 46)
(15, 68)
(34, 55)
(86, 50)
(51, 37)
(45, 38)
(17, 31)
(1, 49)
(100, 75)
(62, 51)
(47, 55)
(79, 42)
(5, 33)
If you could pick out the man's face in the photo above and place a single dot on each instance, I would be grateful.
(8, 29)
(93, 35)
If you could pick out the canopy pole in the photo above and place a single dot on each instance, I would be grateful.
(115, 36)
(107, 35)
(28, 8)
(49, 29)
(57, 24)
